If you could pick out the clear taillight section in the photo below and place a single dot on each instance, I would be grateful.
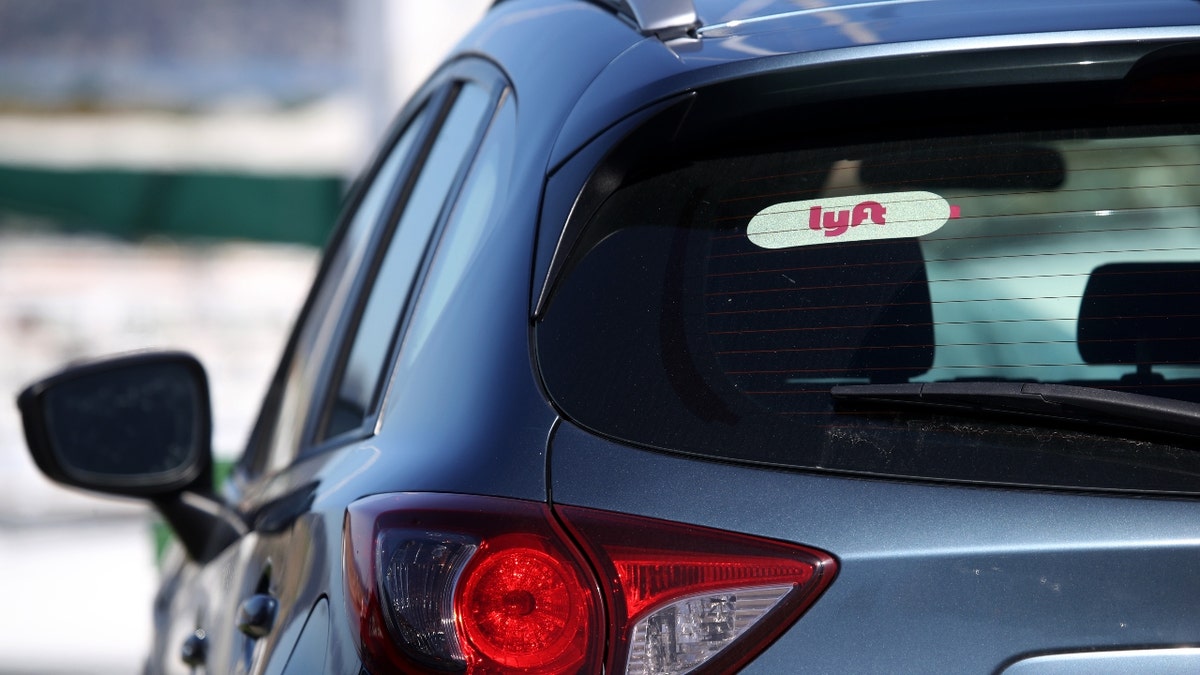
(452, 583)
(417, 572)
(679, 595)
(684, 635)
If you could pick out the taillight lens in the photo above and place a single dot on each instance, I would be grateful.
(680, 595)
(526, 608)
(456, 583)
(476, 584)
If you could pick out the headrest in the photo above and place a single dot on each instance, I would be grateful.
(1141, 313)
(854, 310)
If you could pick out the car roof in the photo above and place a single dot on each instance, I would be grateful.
(765, 27)
(880, 21)
(870, 21)
(830, 24)
(662, 47)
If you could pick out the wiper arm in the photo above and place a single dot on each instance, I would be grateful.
(1032, 398)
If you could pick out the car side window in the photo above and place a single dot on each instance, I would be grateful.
(466, 236)
(277, 434)
(355, 385)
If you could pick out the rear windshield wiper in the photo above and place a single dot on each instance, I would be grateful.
(1057, 401)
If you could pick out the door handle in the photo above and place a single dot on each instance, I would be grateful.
(195, 649)
(256, 616)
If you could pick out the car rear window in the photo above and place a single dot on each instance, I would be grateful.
(714, 301)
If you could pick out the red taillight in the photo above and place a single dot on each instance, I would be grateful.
(680, 595)
(481, 584)
(525, 608)
(487, 585)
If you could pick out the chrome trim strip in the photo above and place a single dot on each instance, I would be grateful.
(722, 29)
(917, 46)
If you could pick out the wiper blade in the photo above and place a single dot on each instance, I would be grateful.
(1060, 401)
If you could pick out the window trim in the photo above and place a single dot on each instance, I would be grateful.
(257, 459)
(495, 86)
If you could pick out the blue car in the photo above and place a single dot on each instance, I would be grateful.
(703, 336)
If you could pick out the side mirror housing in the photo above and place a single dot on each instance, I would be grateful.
(137, 425)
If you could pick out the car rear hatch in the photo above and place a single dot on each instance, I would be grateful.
(946, 334)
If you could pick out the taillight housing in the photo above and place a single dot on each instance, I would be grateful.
(679, 595)
(455, 583)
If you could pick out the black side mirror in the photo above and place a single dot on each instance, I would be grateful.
(135, 425)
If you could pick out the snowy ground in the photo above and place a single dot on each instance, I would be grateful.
(325, 137)
(77, 572)
(76, 596)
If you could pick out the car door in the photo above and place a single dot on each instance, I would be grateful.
(243, 611)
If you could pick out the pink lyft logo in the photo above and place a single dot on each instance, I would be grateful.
(892, 215)
(837, 222)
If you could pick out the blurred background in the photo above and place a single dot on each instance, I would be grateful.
(168, 173)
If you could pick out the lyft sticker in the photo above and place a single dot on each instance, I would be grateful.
(892, 215)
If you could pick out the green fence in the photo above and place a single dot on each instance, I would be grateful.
(137, 204)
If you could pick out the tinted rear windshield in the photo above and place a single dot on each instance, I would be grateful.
(713, 302)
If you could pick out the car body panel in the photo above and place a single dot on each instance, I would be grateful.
(583, 40)
(312, 647)
(972, 577)
(1162, 661)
